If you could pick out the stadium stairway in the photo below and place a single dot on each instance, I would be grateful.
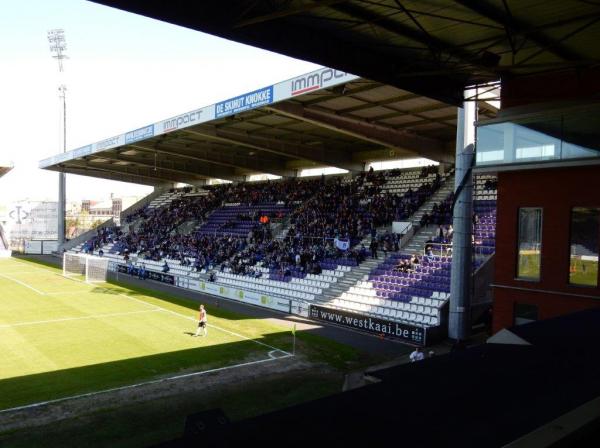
(350, 279)
(416, 244)
(438, 197)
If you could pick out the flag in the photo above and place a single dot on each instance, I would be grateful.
(341, 244)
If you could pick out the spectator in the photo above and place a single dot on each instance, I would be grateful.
(165, 267)
(417, 355)
(142, 272)
(373, 248)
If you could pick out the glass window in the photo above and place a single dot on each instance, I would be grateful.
(530, 243)
(583, 268)
(525, 313)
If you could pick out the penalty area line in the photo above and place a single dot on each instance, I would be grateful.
(66, 319)
(146, 383)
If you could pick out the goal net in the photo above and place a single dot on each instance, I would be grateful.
(90, 268)
(96, 269)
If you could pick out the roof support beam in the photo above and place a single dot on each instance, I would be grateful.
(187, 170)
(129, 178)
(436, 45)
(284, 13)
(137, 175)
(513, 26)
(317, 154)
(217, 156)
(407, 141)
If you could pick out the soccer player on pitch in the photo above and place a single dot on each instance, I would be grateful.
(202, 322)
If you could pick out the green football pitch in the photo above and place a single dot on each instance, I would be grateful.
(61, 337)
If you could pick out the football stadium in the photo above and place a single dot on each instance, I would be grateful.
(400, 246)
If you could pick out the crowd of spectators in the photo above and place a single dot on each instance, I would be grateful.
(347, 210)
(429, 169)
(324, 213)
(287, 191)
(441, 214)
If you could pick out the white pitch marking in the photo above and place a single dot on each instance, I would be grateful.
(23, 284)
(191, 318)
(94, 316)
(176, 377)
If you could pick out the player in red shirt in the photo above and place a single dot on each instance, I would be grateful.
(202, 322)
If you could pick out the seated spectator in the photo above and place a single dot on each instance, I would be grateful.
(211, 277)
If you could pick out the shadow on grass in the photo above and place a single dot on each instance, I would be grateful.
(27, 389)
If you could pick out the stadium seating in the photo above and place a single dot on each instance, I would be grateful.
(484, 207)
(417, 296)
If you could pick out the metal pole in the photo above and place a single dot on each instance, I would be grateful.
(459, 324)
(62, 177)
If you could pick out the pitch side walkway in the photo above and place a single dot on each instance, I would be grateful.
(360, 341)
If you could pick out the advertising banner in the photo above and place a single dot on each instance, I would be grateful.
(31, 220)
(251, 297)
(407, 333)
(151, 275)
(299, 85)
(139, 134)
(33, 247)
(244, 102)
(191, 118)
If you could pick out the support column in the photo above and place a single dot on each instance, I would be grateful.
(62, 201)
(459, 324)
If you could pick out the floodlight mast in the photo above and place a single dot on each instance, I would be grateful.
(58, 45)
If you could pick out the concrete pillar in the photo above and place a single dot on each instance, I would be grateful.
(459, 324)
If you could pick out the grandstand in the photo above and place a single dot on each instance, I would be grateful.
(246, 260)
(277, 243)
(335, 254)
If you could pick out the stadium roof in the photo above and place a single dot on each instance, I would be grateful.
(322, 118)
(433, 48)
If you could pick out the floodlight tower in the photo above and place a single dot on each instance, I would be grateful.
(58, 45)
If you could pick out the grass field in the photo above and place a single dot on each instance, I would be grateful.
(583, 272)
(62, 337)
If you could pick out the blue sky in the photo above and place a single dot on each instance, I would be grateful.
(124, 71)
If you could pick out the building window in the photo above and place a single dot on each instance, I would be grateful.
(583, 266)
(530, 243)
(525, 313)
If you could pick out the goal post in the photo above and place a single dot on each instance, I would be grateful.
(88, 267)
(96, 269)
(73, 264)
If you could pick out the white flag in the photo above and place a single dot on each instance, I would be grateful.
(341, 244)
